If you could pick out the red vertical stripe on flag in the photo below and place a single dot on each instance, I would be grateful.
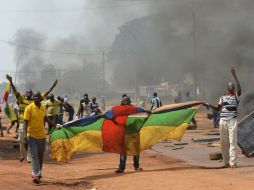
(6, 95)
(124, 110)
(6, 92)
(113, 135)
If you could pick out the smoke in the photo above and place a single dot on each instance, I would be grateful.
(67, 63)
(29, 63)
(101, 25)
(80, 69)
(200, 38)
(193, 43)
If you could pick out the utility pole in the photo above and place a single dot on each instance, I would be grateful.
(84, 65)
(195, 60)
(136, 82)
(18, 61)
(85, 72)
(194, 35)
(103, 74)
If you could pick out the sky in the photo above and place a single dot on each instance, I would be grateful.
(224, 33)
(96, 20)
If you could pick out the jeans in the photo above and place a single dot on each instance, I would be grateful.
(216, 118)
(37, 147)
(123, 159)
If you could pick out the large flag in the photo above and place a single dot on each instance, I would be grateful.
(123, 129)
(7, 108)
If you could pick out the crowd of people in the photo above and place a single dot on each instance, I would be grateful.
(34, 108)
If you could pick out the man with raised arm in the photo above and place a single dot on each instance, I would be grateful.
(23, 102)
(228, 104)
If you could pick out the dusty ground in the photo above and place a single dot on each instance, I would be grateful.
(167, 166)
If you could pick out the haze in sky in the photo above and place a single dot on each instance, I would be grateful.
(95, 20)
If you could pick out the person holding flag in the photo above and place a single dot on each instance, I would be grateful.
(126, 101)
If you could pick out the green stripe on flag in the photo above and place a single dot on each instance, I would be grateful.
(74, 130)
(173, 118)
(134, 124)
(7, 110)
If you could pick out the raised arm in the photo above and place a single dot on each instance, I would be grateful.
(51, 88)
(238, 86)
(9, 78)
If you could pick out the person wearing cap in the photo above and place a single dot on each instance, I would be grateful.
(228, 104)
(35, 135)
(23, 102)
(156, 102)
(123, 158)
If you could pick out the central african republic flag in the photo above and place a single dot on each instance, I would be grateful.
(123, 130)
(7, 108)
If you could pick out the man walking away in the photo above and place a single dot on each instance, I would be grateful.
(156, 102)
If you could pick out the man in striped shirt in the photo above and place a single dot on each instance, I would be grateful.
(228, 104)
(156, 102)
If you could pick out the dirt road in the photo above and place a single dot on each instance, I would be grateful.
(96, 171)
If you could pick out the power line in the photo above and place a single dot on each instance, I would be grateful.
(73, 10)
(28, 72)
(47, 50)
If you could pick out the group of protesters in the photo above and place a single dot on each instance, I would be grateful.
(35, 108)
(88, 108)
